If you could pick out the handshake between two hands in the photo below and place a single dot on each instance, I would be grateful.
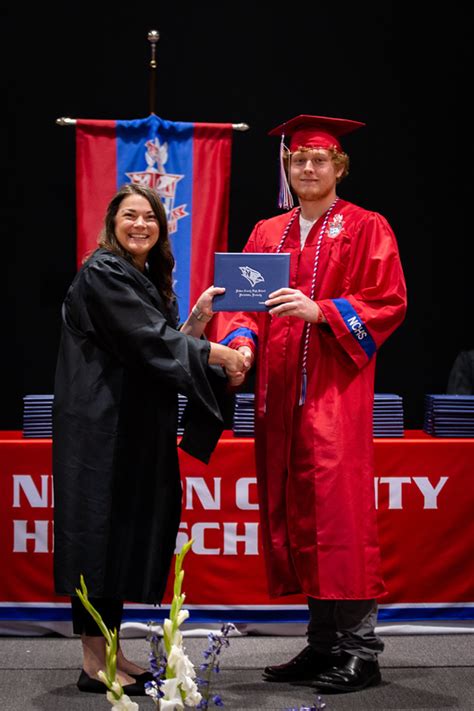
(237, 368)
(236, 362)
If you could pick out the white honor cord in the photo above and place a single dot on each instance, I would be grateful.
(312, 292)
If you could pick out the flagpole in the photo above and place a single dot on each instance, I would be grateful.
(66, 121)
(153, 37)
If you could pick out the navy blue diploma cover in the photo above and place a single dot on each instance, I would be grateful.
(248, 279)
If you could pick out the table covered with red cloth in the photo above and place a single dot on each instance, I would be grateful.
(424, 491)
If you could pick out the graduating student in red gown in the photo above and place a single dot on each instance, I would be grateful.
(316, 353)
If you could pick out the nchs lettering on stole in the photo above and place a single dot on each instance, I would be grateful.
(356, 326)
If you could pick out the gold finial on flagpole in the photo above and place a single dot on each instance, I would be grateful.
(153, 37)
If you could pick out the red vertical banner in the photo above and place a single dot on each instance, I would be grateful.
(212, 159)
(96, 180)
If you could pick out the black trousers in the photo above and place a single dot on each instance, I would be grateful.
(82, 621)
(337, 626)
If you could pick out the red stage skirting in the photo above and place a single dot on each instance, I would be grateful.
(425, 495)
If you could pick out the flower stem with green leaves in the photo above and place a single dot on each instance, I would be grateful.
(178, 690)
(111, 644)
(178, 599)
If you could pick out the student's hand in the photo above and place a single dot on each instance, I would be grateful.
(248, 355)
(292, 302)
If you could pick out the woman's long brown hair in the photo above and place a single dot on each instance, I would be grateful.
(160, 257)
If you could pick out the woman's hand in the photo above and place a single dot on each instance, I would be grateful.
(201, 313)
(235, 367)
(237, 378)
(292, 302)
(235, 363)
(202, 309)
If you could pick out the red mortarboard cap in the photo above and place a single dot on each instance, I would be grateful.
(315, 131)
(308, 132)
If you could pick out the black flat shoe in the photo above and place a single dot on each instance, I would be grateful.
(353, 674)
(94, 686)
(143, 677)
(90, 685)
(304, 667)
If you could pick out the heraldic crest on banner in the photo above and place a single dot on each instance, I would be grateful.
(156, 177)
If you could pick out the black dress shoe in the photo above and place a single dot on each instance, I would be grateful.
(305, 666)
(94, 686)
(353, 674)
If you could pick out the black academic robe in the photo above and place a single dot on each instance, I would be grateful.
(117, 487)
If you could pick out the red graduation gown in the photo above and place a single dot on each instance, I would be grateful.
(315, 462)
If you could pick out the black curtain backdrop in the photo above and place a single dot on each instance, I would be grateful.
(408, 79)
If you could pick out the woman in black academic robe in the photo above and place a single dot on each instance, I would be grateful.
(121, 364)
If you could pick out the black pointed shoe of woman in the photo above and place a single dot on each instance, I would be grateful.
(94, 686)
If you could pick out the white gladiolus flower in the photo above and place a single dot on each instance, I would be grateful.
(180, 663)
(169, 687)
(177, 638)
(117, 688)
(175, 662)
(152, 690)
(179, 690)
(192, 695)
(123, 704)
(171, 705)
(167, 627)
(182, 616)
(172, 695)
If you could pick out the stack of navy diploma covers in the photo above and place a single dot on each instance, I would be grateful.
(388, 415)
(449, 415)
(38, 416)
(244, 415)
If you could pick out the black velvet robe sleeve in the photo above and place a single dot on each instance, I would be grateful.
(120, 309)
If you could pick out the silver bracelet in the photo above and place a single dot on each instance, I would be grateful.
(200, 315)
